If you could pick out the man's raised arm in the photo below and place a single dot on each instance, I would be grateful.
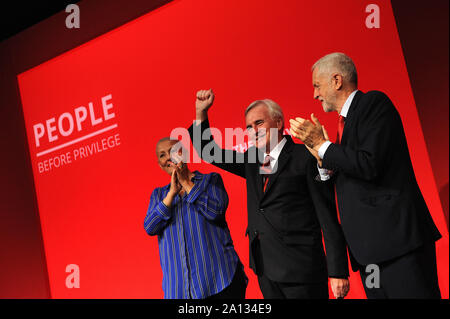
(204, 143)
(204, 101)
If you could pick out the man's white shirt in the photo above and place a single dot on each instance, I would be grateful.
(275, 153)
(324, 173)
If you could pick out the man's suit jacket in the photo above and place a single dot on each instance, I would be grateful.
(286, 222)
(382, 211)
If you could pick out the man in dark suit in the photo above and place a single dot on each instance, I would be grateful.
(288, 210)
(382, 211)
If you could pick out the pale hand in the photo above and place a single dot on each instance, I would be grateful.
(175, 185)
(174, 189)
(205, 99)
(310, 133)
(340, 287)
(183, 175)
(316, 153)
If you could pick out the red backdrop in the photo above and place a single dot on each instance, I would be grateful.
(92, 209)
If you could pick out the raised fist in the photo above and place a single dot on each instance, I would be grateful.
(205, 99)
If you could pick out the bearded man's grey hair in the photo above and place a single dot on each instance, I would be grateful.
(337, 63)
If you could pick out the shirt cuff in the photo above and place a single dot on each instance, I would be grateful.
(323, 148)
(163, 210)
(324, 173)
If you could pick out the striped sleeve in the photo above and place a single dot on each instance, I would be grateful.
(158, 214)
(209, 197)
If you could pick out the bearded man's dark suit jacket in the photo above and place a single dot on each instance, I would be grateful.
(382, 211)
(286, 222)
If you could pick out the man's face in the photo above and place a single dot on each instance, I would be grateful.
(259, 123)
(324, 91)
(165, 157)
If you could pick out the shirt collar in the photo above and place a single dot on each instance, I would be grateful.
(275, 152)
(197, 175)
(348, 102)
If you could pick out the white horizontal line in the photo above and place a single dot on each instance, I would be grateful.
(77, 140)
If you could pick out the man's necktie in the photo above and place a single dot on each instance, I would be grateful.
(341, 124)
(266, 170)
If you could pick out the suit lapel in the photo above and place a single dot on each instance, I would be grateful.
(350, 115)
(283, 159)
(256, 180)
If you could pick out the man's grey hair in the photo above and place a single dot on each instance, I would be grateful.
(337, 63)
(275, 110)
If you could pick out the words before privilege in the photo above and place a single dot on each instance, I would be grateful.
(81, 119)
